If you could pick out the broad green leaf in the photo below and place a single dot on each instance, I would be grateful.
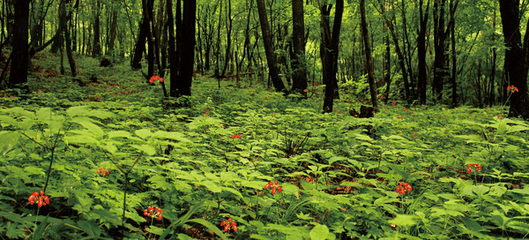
(87, 123)
(143, 133)
(148, 149)
(123, 134)
(404, 220)
(319, 232)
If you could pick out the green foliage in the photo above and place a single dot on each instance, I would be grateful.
(338, 174)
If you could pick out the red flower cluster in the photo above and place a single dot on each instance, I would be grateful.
(476, 166)
(207, 112)
(41, 200)
(104, 170)
(274, 188)
(403, 187)
(414, 135)
(153, 212)
(155, 78)
(512, 88)
(236, 136)
(399, 117)
(228, 224)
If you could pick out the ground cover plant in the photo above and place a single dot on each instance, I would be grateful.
(108, 159)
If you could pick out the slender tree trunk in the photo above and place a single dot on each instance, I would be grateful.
(269, 48)
(19, 64)
(453, 7)
(421, 51)
(516, 57)
(140, 43)
(493, 63)
(299, 79)
(228, 39)
(329, 51)
(369, 58)
(65, 18)
(151, 50)
(113, 31)
(440, 35)
(96, 50)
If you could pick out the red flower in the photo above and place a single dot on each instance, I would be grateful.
(39, 91)
(403, 188)
(399, 117)
(476, 166)
(153, 212)
(512, 88)
(414, 135)
(405, 110)
(275, 187)
(104, 170)
(236, 136)
(41, 200)
(228, 224)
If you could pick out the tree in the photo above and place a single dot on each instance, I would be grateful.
(516, 57)
(369, 58)
(19, 65)
(269, 48)
(329, 50)
(440, 35)
(182, 77)
(421, 51)
(299, 78)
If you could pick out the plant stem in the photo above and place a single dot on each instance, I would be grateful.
(124, 205)
(49, 169)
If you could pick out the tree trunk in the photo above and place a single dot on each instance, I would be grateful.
(421, 51)
(142, 37)
(369, 58)
(269, 48)
(96, 51)
(181, 83)
(19, 64)
(452, 24)
(65, 18)
(299, 78)
(229, 20)
(440, 35)
(516, 57)
(113, 31)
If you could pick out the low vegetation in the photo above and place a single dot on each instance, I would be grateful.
(104, 156)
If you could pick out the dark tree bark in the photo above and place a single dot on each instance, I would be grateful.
(516, 57)
(151, 49)
(369, 58)
(96, 50)
(19, 55)
(113, 30)
(142, 38)
(421, 51)
(65, 18)
(440, 48)
(387, 54)
(453, 7)
(181, 82)
(229, 24)
(269, 48)
(299, 78)
(329, 51)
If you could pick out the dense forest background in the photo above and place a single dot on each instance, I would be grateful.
(451, 52)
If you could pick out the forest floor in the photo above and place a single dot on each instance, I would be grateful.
(114, 161)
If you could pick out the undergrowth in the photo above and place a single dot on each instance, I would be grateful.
(243, 162)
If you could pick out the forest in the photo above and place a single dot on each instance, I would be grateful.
(264, 119)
